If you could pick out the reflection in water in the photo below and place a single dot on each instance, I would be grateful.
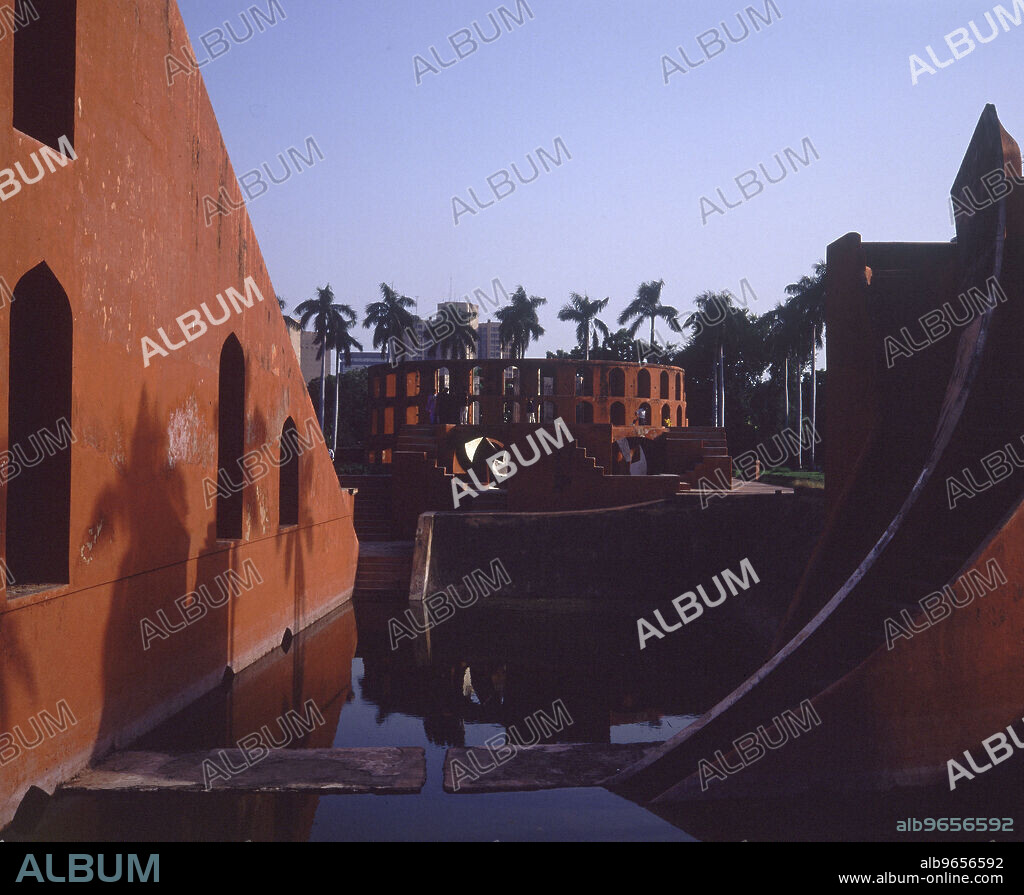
(482, 673)
(500, 662)
(316, 666)
(460, 686)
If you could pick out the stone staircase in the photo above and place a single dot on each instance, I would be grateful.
(385, 570)
(420, 439)
(385, 565)
(696, 453)
(372, 517)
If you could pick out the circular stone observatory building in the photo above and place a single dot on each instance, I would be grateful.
(488, 393)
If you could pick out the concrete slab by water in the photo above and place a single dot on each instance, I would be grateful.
(561, 766)
(390, 771)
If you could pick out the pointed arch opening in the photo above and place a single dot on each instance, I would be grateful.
(230, 440)
(40, 433)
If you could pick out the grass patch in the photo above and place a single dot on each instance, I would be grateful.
(794, 478)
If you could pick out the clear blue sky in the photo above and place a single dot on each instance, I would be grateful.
(626, 208)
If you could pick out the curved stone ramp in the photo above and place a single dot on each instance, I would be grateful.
(902, 714)
(848, 627)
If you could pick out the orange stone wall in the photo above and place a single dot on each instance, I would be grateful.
(122, 229)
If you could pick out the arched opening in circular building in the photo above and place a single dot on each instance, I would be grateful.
(39, 431)
(643, 384)
(446, 404)
(412, 415)
(548, 412)
(510, 382)
(679, 417)
(663, 391)
(288, 475)
(474, 413)
(643, 414)
(230, 438)
(584, 382)
(442, 380)
(617, 414)
(412, 384)
(666, 415)
(476, 376)
(510, 412)
(617, 383)
(679, 387)
(584, 412)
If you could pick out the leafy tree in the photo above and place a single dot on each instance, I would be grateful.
(620, 345)
(724, 354)
(352, 393)
(783, 340)
(717, 325)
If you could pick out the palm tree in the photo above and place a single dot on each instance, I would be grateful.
(519, 323)
(718, 325)
(342, 342)
(583, 312)
(783, 337)
(323, 312)
(390, 319)
(647, 306)
(807, 296)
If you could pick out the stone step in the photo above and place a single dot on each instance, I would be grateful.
(538, 767)
(387, 770)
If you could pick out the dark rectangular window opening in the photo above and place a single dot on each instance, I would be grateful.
(44, 69)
